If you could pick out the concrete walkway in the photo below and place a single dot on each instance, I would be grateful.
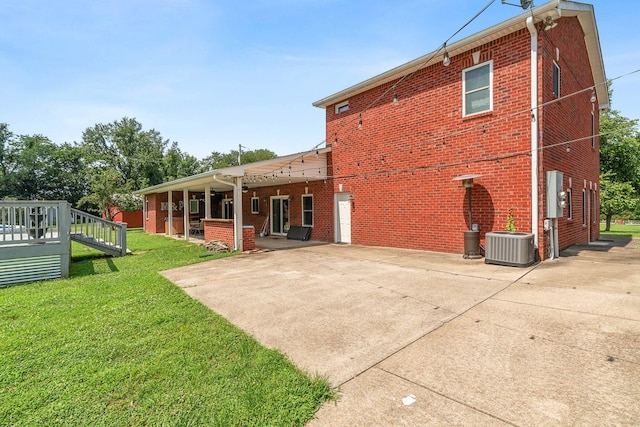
(422, 338)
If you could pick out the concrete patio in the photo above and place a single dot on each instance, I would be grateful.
(421, 338)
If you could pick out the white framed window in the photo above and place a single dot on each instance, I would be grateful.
(584, 207)
(146, 208)
(593, 130)
(569, 204)
(194, 206)
(556, 79)
(342, 107)
(307, 210)
(477, 89)
(594, 208)
(255, 205)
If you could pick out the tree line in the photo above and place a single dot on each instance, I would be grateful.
(102, 170)
(117, 158)
(619, 167)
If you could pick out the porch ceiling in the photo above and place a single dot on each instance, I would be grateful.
(294, 168)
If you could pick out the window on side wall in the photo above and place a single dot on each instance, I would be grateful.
(342, 107)
(255, 205)
(584, 207)
(569, 204)
(556, 79)
(593, 130)
(307, 210)
(477, 89)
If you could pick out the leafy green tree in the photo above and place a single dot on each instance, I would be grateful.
(616, 197)
(7, 162)
(619, 165)
(177, 164)
(620, 148)
(219, 160)
(104, 183)
(36, 168)
(123, 146)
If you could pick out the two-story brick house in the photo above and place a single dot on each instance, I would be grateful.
(512, 102)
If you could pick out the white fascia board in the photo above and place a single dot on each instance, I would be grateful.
(551, 8)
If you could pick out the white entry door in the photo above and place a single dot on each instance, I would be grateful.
(343, 220)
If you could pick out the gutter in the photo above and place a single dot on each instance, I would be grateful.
(534, 130)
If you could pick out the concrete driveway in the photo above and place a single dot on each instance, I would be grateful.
(421, 338)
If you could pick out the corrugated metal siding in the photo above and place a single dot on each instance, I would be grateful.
(21, 270)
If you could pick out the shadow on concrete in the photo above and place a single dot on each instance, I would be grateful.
(282, 243)
(619, 248)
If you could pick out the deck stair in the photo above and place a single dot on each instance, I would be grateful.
(99, 233)
(35, 239)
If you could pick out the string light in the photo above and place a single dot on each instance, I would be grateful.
(420, 66)
(445, 59)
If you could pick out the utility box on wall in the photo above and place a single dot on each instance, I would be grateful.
(556, 196)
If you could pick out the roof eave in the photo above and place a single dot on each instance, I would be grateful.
(552, 8)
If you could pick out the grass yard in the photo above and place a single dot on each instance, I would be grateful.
(119, 345)
(621, 230)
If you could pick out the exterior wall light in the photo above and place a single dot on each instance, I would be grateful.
(549, 23)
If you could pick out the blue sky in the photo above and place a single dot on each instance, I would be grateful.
(215, 74)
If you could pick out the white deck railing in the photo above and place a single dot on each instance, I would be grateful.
(34, 241)
(99, 233)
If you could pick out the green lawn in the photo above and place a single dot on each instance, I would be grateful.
(621, 230)
(119, 345)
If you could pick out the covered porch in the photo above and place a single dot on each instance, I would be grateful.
(241, 203)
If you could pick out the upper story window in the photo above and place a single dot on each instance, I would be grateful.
(556, 79)
(342, 107)
(477, 89)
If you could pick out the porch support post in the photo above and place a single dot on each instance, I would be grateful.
(237, 213)
(207, 201)
(170, 212)
(185, 212)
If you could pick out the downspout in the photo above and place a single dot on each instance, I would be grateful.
(237, 228)
(534, 129)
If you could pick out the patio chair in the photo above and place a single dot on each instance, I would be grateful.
(195, 227)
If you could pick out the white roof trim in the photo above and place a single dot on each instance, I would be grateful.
(554, 8)
(261, 168)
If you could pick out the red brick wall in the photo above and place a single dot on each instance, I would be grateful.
(569, 119)
(156, 217)
(248, 238)
(219, 230)
(399, 167)
(323, 218)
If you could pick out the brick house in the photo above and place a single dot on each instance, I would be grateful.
(400, 138)
(514, 102)
(234, 204)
